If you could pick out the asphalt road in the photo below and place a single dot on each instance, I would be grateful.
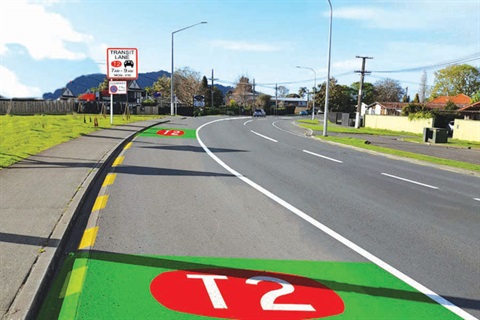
(260, 189)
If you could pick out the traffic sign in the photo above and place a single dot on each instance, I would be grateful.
(117, 87)
(122, 63)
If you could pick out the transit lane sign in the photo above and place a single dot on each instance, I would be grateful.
(122, 63)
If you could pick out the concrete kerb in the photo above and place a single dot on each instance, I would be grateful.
(27, 302)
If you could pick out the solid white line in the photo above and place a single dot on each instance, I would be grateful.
(367, 255)
(261, 135)
(411, 181)
(247, 122)
(295, 134)
(320, 156)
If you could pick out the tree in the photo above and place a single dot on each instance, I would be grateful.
(388, 90)
(456, 79)
(293, 95)
(243, 90)
(162, 85)
(416, 99)
(423, 91)
(475, 97)
(282, 91)
(368, 92)
(264, 101)
(187, 84)
(302, 92)
(340, 97)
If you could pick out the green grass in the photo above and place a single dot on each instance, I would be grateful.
(360, 143)
(23, 136)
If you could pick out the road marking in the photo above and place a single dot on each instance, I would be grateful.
(294, 133)
(411, 181)
(261, 135)
(74, 289)
(364, 253)
(118, 161)
(88, 239)
(100, 203)
(128, 145)
(109, 179)
(320, 156)
(247, 122)
(476, 199)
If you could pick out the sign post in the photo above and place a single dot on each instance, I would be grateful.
(122, 64)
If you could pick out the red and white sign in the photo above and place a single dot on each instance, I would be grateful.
(170, 133)
(245, 294)
(122, 63)
(117, 87)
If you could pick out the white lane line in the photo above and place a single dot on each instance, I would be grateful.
(320, 156)
(247, 122)
(261, 135)
(294, 133)
(476, 199)
(367, 255)
(411, 181)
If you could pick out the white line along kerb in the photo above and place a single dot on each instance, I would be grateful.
(367, 255)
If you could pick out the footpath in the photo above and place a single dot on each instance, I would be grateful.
(39, 197)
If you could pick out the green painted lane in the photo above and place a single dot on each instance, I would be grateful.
(162, 132)
(100, 285)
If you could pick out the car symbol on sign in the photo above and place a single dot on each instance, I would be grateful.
(128, 63)
(116, 63)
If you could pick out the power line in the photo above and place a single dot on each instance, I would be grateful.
(469, 58)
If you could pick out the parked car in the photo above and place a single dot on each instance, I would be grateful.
(305, 112)
(259, 113)
(450, 127)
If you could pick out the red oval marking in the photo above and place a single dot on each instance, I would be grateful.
(245, 294)
(116, 63)
(170, 133)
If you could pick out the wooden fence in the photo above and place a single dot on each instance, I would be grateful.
(36, 107)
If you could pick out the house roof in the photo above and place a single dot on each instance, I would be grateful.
(389, 105)
(472, 107)
(458, 99)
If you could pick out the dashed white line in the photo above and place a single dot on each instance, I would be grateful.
(265, 137)
(476, 199)
(367, 255)
(247, 122)
(411, 181)
(320, 156)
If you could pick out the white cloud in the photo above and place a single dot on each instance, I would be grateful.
(11, 87)
(245, 46)
(44, 34)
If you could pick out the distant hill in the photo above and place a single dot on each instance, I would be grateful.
(85, 82)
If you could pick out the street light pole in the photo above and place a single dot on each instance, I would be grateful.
(325, 116)
(171, 76)
(314, 88)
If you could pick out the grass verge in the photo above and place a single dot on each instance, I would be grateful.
(23, 136)
(360, 143)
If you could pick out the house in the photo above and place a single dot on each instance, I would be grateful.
(460, 100)
(383, 108)
(471, 112)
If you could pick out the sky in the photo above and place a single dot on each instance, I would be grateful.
(46, 44)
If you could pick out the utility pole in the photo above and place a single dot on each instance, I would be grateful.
(211, 88)
(276, 99)
(359, 105)
(253, 91)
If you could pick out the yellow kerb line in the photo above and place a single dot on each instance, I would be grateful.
(88, 239)
(100, 203)
(109, 179)
(128, 145)
(118, 161)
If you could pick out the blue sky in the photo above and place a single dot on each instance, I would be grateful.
(45, 44)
